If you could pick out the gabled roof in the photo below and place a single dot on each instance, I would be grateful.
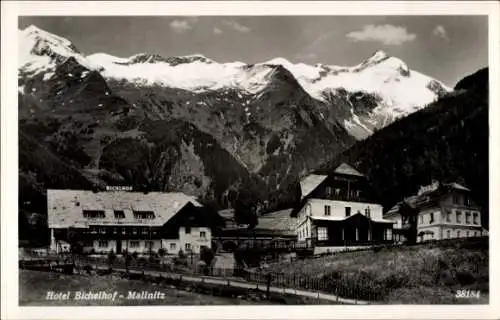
(344, 168)
(426, 197)
(65, 207)
(458, 186)
(278, 221)
(311, 182)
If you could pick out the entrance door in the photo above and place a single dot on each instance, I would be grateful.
(118, 246)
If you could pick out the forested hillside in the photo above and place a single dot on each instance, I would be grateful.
(446, 141)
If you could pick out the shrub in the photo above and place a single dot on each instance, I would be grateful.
(111, 257)
(181, 254)
(162, 252)
(206, 255)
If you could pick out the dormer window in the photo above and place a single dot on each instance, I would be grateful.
(119, 214)
(140, 215)
(93, 214)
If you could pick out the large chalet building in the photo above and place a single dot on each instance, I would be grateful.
(438, 211)
(338, 211)
(132, 221)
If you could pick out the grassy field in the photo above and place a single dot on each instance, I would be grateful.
(34, 285)
(402, 275)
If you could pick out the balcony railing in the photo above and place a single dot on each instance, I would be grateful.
(312, 242)
(345, 197)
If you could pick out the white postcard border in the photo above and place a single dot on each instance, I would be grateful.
(9, 179)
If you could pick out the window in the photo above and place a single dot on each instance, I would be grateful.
(388, 234)
(467, 217)
(456, 199)
(448, 234)
(103, 243)
(337, 192)
(203, 234)
(150, 244)
(93, 230)
(93, 214)
(322, 233)
(467, 234)
(134, 230)
(188, 230)
(458, 233)
(115, 230)
(172, 246)
(328, 191)
(124, 231)
(448, 215)
(431, 217)
(347, 211)
(475, 233)
(474, 217)
(188, 246)
(328, 210)
(367, 212)
(102, 230)
(467, 201)
(144, 215)
(144, 230)
(134, 244)
(421, 219)
(459, 216)
(119, 214)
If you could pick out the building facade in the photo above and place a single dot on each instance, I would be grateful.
(438, 211)
(121, 221)
(337, 211)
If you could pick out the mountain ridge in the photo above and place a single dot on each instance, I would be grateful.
(210, 137)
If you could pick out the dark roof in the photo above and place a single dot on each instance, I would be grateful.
(344, 168)
(428, 196)
(65, 207)
(278, 220)
(312, 182)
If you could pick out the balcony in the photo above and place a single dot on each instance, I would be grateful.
(345, 197)
(340, 243)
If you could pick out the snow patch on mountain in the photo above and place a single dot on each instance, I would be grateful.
(41, 51)
(400, 89)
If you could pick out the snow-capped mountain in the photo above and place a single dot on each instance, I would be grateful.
(195, 125)
(393, 89)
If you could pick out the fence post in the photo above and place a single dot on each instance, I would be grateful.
(268, 288)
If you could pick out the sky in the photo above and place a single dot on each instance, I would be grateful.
(444, 47)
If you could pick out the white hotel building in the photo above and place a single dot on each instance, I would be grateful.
(133, 221)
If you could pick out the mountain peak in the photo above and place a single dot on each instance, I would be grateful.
(376, 57)
(32, 28)
(278, 61)
(36, 34)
